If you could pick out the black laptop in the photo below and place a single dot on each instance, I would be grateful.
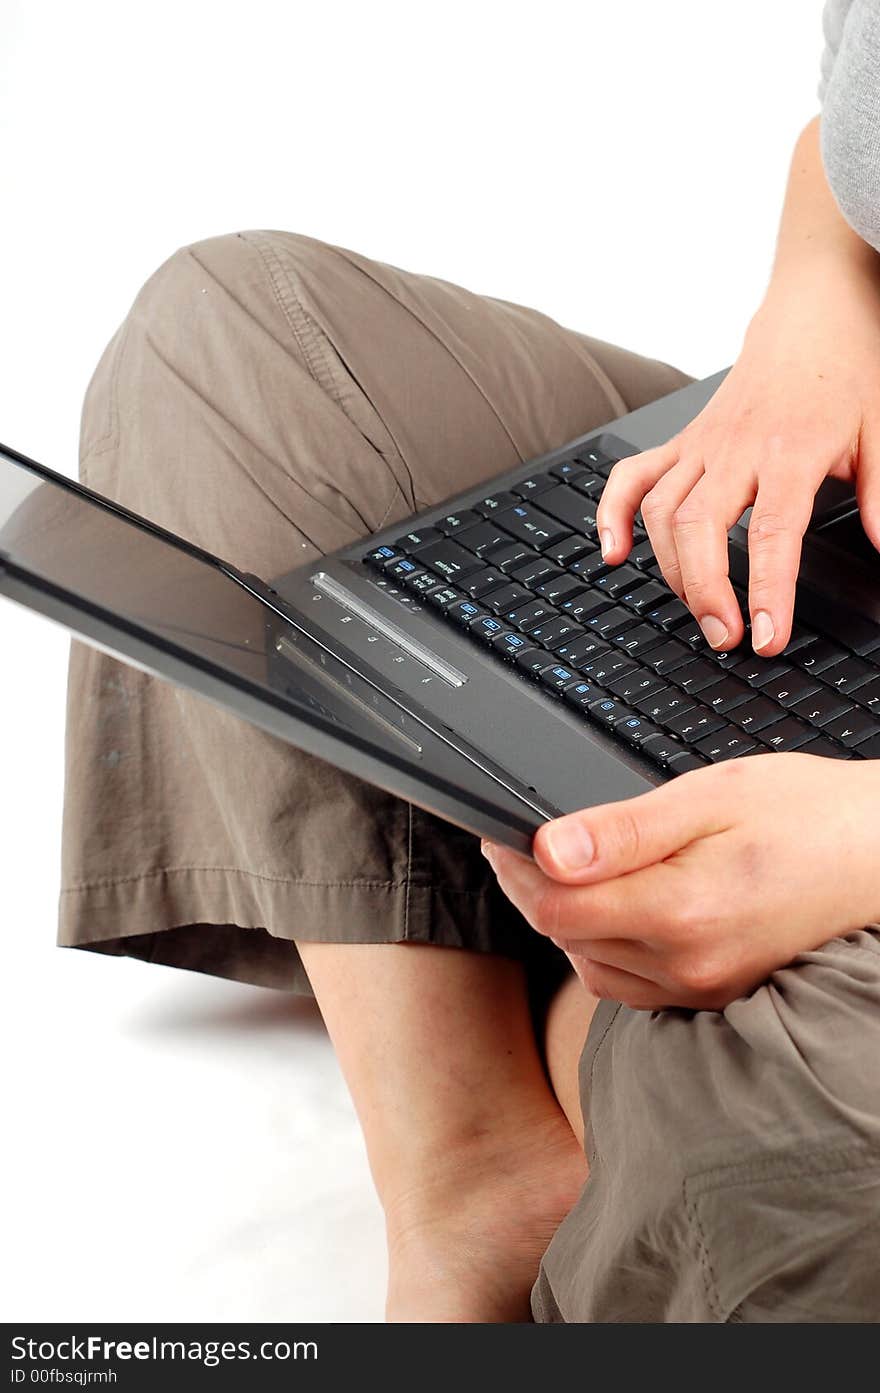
(479, 659)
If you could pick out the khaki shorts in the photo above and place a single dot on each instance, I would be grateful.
(272, 398)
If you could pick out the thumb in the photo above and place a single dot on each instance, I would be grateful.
(610, 840)
(868, 482)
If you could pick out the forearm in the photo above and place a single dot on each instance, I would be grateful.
(816, 244)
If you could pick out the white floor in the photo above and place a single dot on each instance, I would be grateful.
(180, 1148)
(177, 1148)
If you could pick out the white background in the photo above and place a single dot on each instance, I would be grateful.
(181, 1148)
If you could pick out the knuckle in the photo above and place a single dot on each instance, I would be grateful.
(654, 509)
(701, 974)
(625, 837)
(545, 912)
(689, 514)
(768, 526)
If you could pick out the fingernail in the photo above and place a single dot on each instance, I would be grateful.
(570, 844)
(715, 629)
(606, 539)
(488, 851)
(763, 630)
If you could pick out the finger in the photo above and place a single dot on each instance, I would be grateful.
(611, 984)
(658, 510)
(868, 485)
(628, 482)
(615, 838)
(701, 525)
(779, 520)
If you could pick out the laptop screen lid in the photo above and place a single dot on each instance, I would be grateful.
(153, 600)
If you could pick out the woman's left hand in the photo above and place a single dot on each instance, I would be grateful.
(690, 895)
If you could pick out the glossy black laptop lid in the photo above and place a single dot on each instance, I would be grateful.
(151, 599)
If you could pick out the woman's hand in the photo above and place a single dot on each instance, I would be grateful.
(801, 403)
(692, 894)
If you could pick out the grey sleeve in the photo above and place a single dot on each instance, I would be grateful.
(850, 125)
(833, 20)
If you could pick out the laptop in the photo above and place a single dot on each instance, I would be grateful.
(478, 659)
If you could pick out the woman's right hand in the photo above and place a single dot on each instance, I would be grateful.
(801, 403)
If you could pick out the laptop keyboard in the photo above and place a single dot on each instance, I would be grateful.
(521, 573)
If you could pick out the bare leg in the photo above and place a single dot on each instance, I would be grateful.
(565, 1032)
(474, 1161)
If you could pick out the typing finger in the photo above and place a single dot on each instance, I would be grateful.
(779, 519)
(701, 525)
(658, 510)
(628, 482)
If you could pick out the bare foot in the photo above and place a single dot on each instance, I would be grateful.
(465, 1244)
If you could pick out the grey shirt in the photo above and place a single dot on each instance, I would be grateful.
(850, 94)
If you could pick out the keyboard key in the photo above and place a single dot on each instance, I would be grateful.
(669, 656)
(581, 694)
(607, 666)
(670, 615)
(642, 554)
(663, 704)
(538, 612)
(822, 707)
(643, 597)
(609, 712)
(420, 538)
(590, 567)
(592, 485)
(457, 522)
(403, 568)
(661, 748)
(533, 661)
(870, 749)
(820, 654)
(581, 649)
(853, 727)
(756, 714)
(788, 734)
(443, 596)
(692, 634)
(569, 549)
(789, 688)
(637, 641)
(422, 582)
(612, 621)
(568, 469)
(553, 631)
(508, 597)
(486, 627)
(482, 538)
(528, 525)
(448, 559)
(726, 743)
(694, 724)
(482, 582)
(583, 606)
(381, 555)
(536, 483)
(635, 684)
(756, 670)
(635, 729)
(576, 512)
(619, 579)
(495, 503)
(723, 696)
(869, 695)
(534, 571)
(849, 674)
(557, 677)
(513, 555)
(694, 676)
(512, 645)
(560, 588)
(597, 460)
(463, 611)
(827, 749)
(685, 762)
